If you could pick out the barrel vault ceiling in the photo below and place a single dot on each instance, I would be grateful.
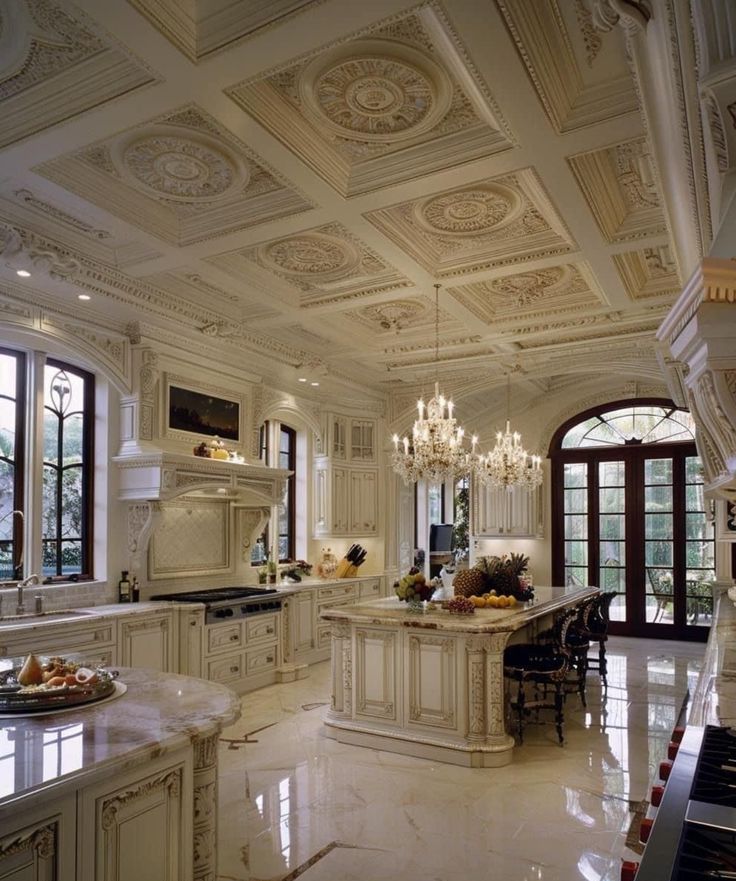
(289, 178)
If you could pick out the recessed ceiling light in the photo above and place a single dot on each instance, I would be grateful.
(302, 379)
(314, 383)
(83, 297)
(23, 273)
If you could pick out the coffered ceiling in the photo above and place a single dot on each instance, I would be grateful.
(288, 180)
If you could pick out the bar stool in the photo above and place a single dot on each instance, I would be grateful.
(596, 626)
(543, 664)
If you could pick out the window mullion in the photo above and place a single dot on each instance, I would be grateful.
(33, 477)
(593, 523)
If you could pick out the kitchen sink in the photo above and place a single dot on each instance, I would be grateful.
(37, 618)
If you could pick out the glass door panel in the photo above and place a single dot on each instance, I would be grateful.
(699, 549)
(659, 522)
(612, 534)
(575, 512)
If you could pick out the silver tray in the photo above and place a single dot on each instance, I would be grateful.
(14, 700)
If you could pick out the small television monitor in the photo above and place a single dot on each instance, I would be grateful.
(440, 538)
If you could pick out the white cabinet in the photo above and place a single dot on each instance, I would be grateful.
(345, 500)
(362, 440)
(500, 513)
(302, 619)
(41, 846)
(94, 642)
(146, 641)
(243, 654)
(138, 826)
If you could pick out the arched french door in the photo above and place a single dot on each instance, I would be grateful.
(628, 514)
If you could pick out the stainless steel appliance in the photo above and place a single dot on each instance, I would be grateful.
(223, 603)
(694, 832)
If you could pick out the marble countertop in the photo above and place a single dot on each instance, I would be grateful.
(391, 611)
(44, 756)
(714, 699)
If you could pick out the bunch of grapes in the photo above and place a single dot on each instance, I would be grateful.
(413, 586)
(460, 606)
(525, 593)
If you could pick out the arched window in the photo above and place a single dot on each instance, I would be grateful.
(55, 469)
(629, 515)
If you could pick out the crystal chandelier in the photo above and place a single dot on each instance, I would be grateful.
(435, 452)
(508, 464)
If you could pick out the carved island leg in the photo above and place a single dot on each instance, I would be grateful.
(476, 660)
(205, 808)
(341, 672)
(496, 730)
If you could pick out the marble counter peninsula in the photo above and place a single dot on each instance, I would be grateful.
(430, 684)
(125, 789)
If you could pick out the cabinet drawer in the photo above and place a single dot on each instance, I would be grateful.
(224, 636)
(260, 660)
(370, 589)
(261, 628)
(337, 592)
(226, 669)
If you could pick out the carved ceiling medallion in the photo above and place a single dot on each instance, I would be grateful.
(469, 212)
(528, 287)
(375, 90)
(170, 162)
(311, 254)
(392, 316)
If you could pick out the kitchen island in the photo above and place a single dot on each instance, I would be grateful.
(124, 789)
(430, 684)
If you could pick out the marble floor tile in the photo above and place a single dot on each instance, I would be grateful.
(295, 804)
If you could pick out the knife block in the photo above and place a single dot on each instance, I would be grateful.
(345, 569)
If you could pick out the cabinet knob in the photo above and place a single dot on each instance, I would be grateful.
(234, 669)
(269, 630)
(269, 659)
(234, 637)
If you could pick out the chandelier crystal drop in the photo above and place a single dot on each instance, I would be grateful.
(508, 464)
(436, 450)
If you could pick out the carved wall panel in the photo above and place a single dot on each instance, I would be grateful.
(376, 665)
(183, 177)
(495, 222)
(192, 538)
(348, 109)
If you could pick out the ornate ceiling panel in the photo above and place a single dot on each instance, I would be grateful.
(326, 265)
(400, 100)
(415, 314)
(651, 272)
(182, 177)
(495, 222)
(56, 63)
(205, 26)
(531, 295)
(580, 78)
(619, 184)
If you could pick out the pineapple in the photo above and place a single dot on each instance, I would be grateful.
(469, 582)
(506, 578)
(489, 566)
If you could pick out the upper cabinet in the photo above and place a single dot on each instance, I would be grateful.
(351, 439)
(502, 513)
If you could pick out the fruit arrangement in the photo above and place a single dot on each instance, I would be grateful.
(413, 586)
(40, 684)
(54, 673)
(493, 601)
(495, 576)
(460, 606)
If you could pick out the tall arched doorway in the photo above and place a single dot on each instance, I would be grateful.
(628, 514)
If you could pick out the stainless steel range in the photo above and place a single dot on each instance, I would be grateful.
(694, 833)
(223, 603)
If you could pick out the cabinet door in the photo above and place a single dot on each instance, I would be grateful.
(338, 445)
(340, 497)
(146, 641)
(363, 502)
(302, 620)
(39, 845)
(503, 512)
(362, 440)
(138, 825)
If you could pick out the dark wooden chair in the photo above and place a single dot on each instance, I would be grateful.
(595, 622)
(543, 664)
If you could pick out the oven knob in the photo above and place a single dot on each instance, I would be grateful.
(664, 770)
(223, 613)
(645, 830)
(655, 799)
(672, 749)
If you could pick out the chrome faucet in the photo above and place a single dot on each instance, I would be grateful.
(27, 582)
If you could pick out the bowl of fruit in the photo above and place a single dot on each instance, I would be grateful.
(414, 588)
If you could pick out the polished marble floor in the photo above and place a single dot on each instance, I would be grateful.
(295, 804)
